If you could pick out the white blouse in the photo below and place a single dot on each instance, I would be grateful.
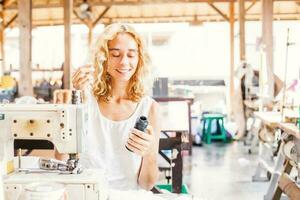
(105, 145)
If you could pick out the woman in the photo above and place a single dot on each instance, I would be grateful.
(118, 98)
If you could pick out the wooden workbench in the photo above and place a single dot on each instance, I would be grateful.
(290, 129)
(271, 119)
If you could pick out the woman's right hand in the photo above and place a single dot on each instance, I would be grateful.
(82, 77)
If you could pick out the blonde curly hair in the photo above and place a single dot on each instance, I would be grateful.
(138, 83)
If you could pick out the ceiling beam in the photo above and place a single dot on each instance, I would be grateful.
(250, 6)
(11, 20)
(179, 18)
(8, 3)
(135, 3)
(218, 11)
(89, 22)
(101, 15)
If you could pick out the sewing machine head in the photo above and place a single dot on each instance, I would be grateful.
(61, 124)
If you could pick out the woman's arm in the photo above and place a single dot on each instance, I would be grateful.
(149, 170)
(146, 145)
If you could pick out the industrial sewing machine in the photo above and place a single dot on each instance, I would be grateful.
(64, 125)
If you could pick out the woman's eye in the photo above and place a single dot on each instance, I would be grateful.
(115, 55)
(131, 55)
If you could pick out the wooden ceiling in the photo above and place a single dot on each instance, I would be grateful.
(50, 12)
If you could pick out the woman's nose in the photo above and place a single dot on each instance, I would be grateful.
(124, 60)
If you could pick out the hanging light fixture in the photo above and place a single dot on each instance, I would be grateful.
(85, 10)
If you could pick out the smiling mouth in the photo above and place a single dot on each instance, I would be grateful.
(123, 71)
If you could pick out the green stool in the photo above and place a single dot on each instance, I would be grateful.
(207, 132)
(168, 187)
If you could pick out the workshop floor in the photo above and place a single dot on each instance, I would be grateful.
(223, 171)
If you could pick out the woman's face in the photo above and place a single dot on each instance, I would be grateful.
(122, 57)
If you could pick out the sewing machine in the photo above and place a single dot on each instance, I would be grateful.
(64, 125)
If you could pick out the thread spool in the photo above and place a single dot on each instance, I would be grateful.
(140, 124)
(76, 97)
(289, 150)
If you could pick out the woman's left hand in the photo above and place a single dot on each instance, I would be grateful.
(140, 142)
